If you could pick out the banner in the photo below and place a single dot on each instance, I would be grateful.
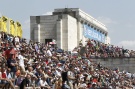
(91, 33)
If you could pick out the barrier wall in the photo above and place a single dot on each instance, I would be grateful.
(127, 64)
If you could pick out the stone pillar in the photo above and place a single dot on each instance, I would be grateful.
(59, 33)
(79, 32)
(38, 32)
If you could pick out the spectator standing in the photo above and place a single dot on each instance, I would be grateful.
(71, 76)
(21, 59)
(11, 62)
(9, 51)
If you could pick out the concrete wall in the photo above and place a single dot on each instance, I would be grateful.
(59, 33)
(127, 64)
(48, 27)
(33, 26)
(65, 32)
(69, 32)
(72, 33)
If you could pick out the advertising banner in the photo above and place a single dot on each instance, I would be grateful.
(91, 33)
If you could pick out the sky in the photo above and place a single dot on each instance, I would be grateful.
(117, 15)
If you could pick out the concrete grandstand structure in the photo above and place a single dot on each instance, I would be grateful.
(67, 26)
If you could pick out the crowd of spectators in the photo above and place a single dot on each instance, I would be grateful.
(95, 49)
(42, 66)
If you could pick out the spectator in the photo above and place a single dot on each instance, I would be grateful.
(43, 83)
(21, 59)
(71, 76)
(9, 51)
(11, 62)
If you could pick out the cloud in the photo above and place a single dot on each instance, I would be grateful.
(127, 44)
(48, 13)
(106, 20)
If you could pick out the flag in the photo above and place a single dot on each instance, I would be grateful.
(0, 25)
(12, 28)
(19, 29)
(4, 24)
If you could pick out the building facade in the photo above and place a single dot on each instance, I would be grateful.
(67, 26)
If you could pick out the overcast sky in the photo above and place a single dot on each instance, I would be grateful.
(117, 15)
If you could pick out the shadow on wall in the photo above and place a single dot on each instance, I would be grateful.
(126, 64)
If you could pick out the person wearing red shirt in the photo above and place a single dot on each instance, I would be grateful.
(5, 79)
(9, 51)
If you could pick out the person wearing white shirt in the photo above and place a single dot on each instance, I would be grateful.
(58, 72)
(43, 83)
(8, 74)
(49, 52)
(16, 39)
(21, 60)
(128, 74)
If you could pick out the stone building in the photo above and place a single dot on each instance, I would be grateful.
(67, 26)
